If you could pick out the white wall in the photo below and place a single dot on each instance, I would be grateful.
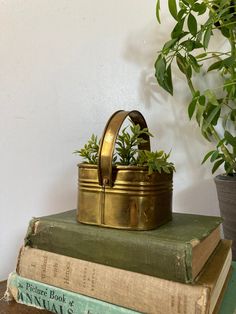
(65, 67)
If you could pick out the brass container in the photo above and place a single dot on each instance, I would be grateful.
(124, 197)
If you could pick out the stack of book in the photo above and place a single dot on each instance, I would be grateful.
(70, 268)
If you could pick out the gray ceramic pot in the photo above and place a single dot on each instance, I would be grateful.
(226, 190)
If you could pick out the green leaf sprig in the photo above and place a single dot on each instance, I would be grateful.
(89, 152)
(127, 151)
(188, 48)
(155, 161)
(127, 144)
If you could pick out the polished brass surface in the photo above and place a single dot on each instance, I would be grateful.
(108, 140)
(124, 197)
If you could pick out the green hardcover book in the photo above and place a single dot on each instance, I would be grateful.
(175, 251)
(56, 300)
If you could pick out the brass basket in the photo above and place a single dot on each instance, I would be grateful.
(124, 197)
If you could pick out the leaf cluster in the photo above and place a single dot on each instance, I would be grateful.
(155, 161)
(127, 151)
(89, 152)
(127, 143)
(217, 157)
(188, 47)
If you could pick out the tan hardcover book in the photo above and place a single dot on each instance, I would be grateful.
(135, 291)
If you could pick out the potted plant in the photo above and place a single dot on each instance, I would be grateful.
(122, 184)
(214, 109)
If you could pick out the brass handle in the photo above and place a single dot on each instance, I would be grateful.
(107, 143)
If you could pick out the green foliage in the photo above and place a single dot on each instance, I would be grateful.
(197, 21)
(155, 161)
(89, 152)
(127, 151)
(127, 144)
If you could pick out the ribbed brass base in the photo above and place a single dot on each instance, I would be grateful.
(136, 201)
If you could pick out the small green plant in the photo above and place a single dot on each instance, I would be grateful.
(89, 152)
(127, 152)
(155, 161)
(127, 144)
(197, 21)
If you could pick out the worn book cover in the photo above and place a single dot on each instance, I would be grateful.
(139, 292)
(56, 300)
(176, 251)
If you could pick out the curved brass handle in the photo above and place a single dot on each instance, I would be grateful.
(108, 140)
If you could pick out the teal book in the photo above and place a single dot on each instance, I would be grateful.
(175, 251)
(56, 300)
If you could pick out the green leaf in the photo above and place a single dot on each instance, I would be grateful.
(190, 2)
(169, 85)
(220, 143)
(200, 8)
(215, 66)
(212, 118)
(192, 24)
(194, 63)
(173, 8)
(178, 29)
(233, 115)
(214, 156)
(225, 32)
(188, 44)
(169, 44)
(217, 165)
(230, 87)
(211, 97)
(200, 33)
(192, 107)
(181, 13)
(201, 55)
(163, 74)
(189, 72)
(199, 114)
(158, 11)
(228, 62)
(186, 2)
(230, 138)
(160, 64)
(182, 63)
(202, 100)
(207, 36)
(197, 44)
(207, 156)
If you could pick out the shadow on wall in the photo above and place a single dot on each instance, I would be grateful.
(172, 124)
(142, 48)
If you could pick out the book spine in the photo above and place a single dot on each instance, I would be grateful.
(56, 300)
(164, 259)
(132, 290)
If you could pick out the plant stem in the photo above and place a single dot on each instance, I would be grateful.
(191, 87)
(225, 85)
(233, 50)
